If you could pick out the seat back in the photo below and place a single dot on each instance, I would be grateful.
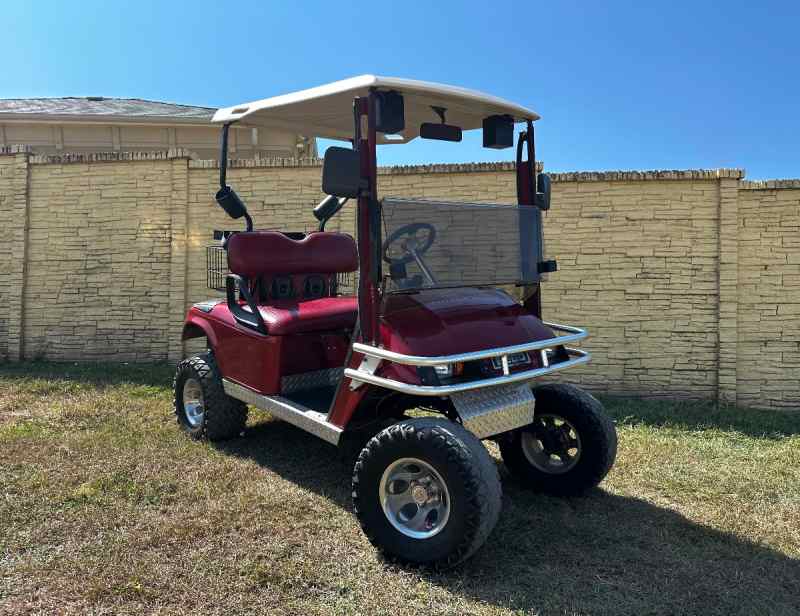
(270, 267)
(270, 253)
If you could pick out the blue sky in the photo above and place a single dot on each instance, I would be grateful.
(620, 85)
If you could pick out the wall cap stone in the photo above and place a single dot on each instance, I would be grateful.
(769, 184)
(474, 167)
(108, 157)
(649, 175)
(11, 150)
(452, 168)
(571, 176)
(478, 167)
(252, 163)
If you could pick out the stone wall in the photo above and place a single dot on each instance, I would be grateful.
(688, 281)
(99, 259)
(14, 182)
(768, 342)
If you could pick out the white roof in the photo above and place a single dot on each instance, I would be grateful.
(327, 111)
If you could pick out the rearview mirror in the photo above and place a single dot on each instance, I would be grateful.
(442, 132)
(341, 172)
(543, 192)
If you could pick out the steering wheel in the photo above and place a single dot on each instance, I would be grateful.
(414, 238)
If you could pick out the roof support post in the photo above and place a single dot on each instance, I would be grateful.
(368, 220)
(530, 229)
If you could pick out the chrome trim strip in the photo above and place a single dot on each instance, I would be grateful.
(582, 357)
(291, 412)
(574, 334)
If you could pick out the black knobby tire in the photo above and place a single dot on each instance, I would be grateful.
(223, 417)
(462, 462)
(598, 438)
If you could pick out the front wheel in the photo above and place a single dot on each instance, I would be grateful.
(426, 491)
(570, 446)
(203, 409)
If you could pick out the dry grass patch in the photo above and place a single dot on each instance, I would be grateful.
(106, 508)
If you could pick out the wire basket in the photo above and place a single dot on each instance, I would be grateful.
(346, 283)
(216, 267)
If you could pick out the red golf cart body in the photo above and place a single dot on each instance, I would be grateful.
(286, 329)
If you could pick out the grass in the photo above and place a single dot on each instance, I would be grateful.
(106, 508)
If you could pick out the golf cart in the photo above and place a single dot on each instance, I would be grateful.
(435, 350)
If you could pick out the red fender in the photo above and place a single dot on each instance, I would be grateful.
(196, 327)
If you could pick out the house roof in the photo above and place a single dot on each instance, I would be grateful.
(74, 108)
(327, 111)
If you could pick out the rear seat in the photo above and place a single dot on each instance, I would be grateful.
(269, 254)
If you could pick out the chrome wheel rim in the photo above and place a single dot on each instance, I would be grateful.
(551, 444)
(414, 498)
(193, 406)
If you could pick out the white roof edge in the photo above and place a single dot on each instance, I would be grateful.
(360, 85)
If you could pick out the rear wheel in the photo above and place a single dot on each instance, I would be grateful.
(202, 407)
(426, 491)
(568, 448)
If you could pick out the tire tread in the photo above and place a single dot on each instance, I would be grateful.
(476, 468)
(224, 417)
(596, 427)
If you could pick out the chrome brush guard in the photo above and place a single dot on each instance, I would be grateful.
(365, 372)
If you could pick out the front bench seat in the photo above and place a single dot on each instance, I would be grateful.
(271, 253)
(283, 317)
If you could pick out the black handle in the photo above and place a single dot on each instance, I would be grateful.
(251, 318)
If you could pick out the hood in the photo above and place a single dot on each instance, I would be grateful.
(448, 321)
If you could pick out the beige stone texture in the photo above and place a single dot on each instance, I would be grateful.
(768, 295)
(99, 261)
(688, 281)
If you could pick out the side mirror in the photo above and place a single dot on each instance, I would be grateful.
(341, 172)
(226, 197)
(442, 132)
(327, 208)
(543, 192)
(229, 201)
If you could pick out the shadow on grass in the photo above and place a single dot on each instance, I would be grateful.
(601, 554)
(93, 373)
(699, 415)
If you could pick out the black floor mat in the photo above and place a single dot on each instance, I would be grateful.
(318, 399)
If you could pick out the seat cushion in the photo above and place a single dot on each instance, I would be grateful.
(255, 253)
(288, 316)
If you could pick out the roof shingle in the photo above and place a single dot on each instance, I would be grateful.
(102, 106)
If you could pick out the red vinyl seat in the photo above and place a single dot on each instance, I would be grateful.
(271, 253)
(284, 317)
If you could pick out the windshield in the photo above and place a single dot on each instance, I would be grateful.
(435, 244)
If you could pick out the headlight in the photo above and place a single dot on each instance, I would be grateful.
(444, 371)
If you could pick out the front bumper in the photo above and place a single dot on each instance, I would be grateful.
(373, 355)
